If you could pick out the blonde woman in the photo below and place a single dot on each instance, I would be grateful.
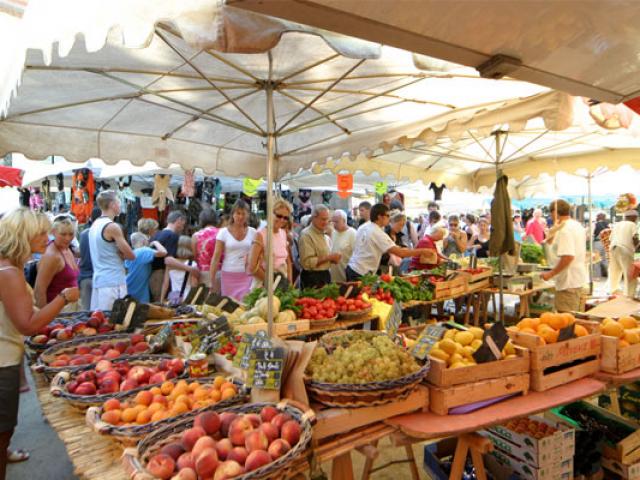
(58, 268)
(280, 246)
(22, 233)
(148, 226)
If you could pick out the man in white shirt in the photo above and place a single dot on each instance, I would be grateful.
(569, 244)
(343, 238)
(623, 242)
(372, 242)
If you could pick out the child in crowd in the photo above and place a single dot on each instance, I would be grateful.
(177, 283)
(139, 270)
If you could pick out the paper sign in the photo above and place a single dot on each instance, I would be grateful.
(250, 186)
(381, 188)
(243, 354)
(494, 340)
(567, 333)
(395, 319)
(427, 339)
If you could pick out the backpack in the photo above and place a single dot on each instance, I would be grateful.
(31, 272)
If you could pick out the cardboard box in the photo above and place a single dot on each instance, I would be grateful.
(558, 471)
(627, 472)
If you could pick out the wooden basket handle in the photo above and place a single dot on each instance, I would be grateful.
(93, 420)
(58, 383)
(38, 367)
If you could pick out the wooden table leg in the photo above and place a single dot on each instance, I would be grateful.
(412, 462)
(342, 468)
(467, 313)
(615, 403)
(368, 464)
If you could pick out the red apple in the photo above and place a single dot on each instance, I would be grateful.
(186, 461)
(109, 386)
(52, 341)
(121, 346)
(93, 322)
(270, 430)
(227, 470)
(64, 357)
(280, 419)
(238, 454)
(278, 448)
(174, 450)
(191, 436)
(59, 363)
(84, 350)
(96, 352)
(161, 466)
(177, 365)
(65, 334)
(208, 421)
(223, 447)
(88, 332)
(129, 351)
(267, 413)
(72, 386)
(76, 362)
(290, 432)
(226, 418)
(238, 429)
(164, 364)
(78, 327)
(112, 375)
(202, 444)
(257, 459)
(104, 328)
(40, 339)
(104, 346)
(256, 440)
(206, 463)
(86, 376)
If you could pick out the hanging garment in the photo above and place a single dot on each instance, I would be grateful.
(437, 191)
(60, 181)
(83, 189)
(25, 195)
(46, 195)
(161, 191)
(35, 199)
(188, 184)
(501, 240)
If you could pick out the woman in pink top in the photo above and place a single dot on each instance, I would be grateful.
(57, 268)
(203, 244)
(281, 258)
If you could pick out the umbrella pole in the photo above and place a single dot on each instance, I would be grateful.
(500, 311)
(589, 178)
(269, 246)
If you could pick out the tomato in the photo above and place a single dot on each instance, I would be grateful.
(385, 277)
(352, 308)
(341, 299)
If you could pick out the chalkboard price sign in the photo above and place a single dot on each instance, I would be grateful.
(427, 339)
(395, 319)
(265, 368)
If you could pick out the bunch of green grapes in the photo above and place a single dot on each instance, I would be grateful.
(374, 359)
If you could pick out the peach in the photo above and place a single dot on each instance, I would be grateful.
(223, 447)
(208, 421)
(278, 448)
(144, 398)
(112, 417)
(112, 353)
(206, 463)
(238, 429)
(227, 470)
(161, 466)
(103, 365)
(268, 412)
(254, 418)
(238, 454)
(280, 419)
(111, 404)
(256, 440)
(202, 444)
(186, 460)
(185, 474)
(290, 432)
(191, 436)
(174, 450)
(226, 419)
(257, 459)
(270, 430)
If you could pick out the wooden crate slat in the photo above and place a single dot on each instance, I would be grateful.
(541, 382)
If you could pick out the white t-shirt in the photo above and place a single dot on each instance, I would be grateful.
(235, 252)
(571, 239)
(342, 243)
(622, 236)
(371, 243)
(177, 279)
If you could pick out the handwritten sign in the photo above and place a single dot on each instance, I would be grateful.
(213, 333)
(567, 333)
(427, 339)
(494, 340)
(266, 363)
(395, 319)
(243, 354)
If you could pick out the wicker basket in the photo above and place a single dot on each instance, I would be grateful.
(366, 394)
(355, 315)
(48, 356)
(134, 459)
(345, 337)
(65, 319)
(321, 323)
(129, 435)
(61, 380)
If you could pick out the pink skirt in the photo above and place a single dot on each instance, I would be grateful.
(235, 284)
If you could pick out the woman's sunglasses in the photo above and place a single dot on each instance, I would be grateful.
(282, 217)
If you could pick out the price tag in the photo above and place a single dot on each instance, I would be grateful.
(395, 319)
(427, 339)
(265, 368)
(197, 295)
(212, 334)
(243, 354)
(567, 333)
(494, 340)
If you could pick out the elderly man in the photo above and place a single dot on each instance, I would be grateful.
(535, 227)
(315, 250)
(568, 242)
(372, 242)
(343, 239)
(623, 243)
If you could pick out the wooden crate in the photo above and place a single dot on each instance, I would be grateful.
(555, 364)
(442, 399)
(618, 360)
(299, 326)
(477, 281)
(441, 376)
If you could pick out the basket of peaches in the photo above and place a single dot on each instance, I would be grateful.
(130, 416)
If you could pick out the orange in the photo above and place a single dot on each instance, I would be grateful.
(628, 322)
(528, 330)
(558, 321)
(546, 317)
(549, 335)
(580, 331)
(613, 329)
(569, 318)
(528, 323)
(623, 344)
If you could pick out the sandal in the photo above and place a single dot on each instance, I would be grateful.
(18, 455)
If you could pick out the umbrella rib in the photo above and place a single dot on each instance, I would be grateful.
(448, 154)
(298, 127)
(526, 145)
(317, 110)
(553, 147)
(481, 145)
(204, 77)
(219, 119)
(135, 72)
(200, 115)
(320, 95)
(369, 93)
(232, 65)
(359, 77)
(309, 67)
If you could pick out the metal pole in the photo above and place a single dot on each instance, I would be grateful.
(269, 246)
(589, 177)
(500, 311)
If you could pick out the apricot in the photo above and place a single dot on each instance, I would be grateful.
(144, 397)
(156, 391)
(218, 381)
(166, 388)
(215, 395)
(159, 415)
(112, 404)
(143, 417)
(227, 385)
(200, 394)
(179, 408)
(228, 393)
(112, 417)
(193, 386)
(129, 415)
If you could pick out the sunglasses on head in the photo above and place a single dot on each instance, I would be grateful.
(62, 217)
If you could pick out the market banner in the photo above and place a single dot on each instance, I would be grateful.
(381, 188)
(10, 177)
(250, 186)
(345, 184)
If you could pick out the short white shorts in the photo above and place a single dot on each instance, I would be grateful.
(103, 298)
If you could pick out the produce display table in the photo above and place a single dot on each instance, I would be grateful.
(614, 381)
(524, 296)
